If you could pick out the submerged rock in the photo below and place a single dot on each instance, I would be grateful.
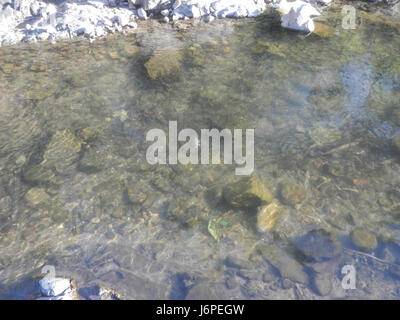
(318, 245)
(62, 151)
(288, 267)
(163, 63)
(36, 196)
(267, 216)
(39, 174)
(364, 240)
(322, 283)
(248, 192)
(292, 193)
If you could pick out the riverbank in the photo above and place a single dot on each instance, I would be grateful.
(36, 20)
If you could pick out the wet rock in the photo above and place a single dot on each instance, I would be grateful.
(318, 245)
(292, 192)
(247, 193)
(163, 63)
(364, 240)
(267, 216)
(322, 283)
(37, 196)
(287, 266)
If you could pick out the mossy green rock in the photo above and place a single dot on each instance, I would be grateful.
(364, 240)
(163, 63)
(248, 192)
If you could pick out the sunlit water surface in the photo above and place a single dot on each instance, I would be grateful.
(77, 192)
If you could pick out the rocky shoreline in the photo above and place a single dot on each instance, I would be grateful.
(36, 20)
(54, 20)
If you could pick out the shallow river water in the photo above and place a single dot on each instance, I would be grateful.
(77, 193)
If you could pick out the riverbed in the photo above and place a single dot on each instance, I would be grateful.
(77, 192)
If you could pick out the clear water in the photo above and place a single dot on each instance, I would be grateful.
(324, 110)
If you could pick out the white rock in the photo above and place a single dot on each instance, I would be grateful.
(284, 7)
(142, 14)
(299, 20)
(54, 287)
(35, 8)
(165, 19)
(209, 18)
(165, 13)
